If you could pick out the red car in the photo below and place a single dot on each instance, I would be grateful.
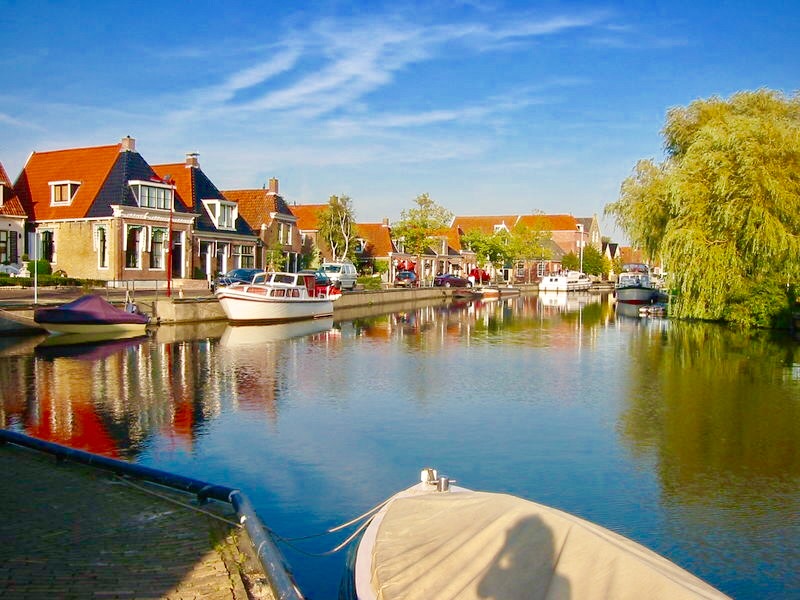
(406, 279)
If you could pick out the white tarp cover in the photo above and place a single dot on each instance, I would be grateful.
(482, 545)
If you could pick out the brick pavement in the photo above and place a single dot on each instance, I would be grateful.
(72, 531)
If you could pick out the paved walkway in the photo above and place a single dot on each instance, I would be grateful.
(71, 531)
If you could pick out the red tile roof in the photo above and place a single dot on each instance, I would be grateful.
(87, 166)
(181, 177)
(550, 222)
(307, 215)
(256, 206)
(378, 237)
(4, 180)
(11, 206)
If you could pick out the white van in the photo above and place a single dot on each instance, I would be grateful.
(343, 273)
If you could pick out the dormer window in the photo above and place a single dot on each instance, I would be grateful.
(501, 227)
(150, 194)
(361, 245)
(222, 213)
(62, 192)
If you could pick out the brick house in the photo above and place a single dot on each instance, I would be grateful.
(221, 238)
(12, 222)
(374, 246)
(273, 223)
(308, 227)
(104, 213)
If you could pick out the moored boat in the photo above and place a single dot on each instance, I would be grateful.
(435, 540)
(634, 285)
(571, 281)
(275, 297)
(90, 314)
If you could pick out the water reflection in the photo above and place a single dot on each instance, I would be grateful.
(555, 392)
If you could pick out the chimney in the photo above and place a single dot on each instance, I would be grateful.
(192, 160)
(386, 221)
(273, 186)
(128, 144)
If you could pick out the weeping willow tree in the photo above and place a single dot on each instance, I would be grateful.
(722, 211)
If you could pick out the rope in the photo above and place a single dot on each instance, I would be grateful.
(175, 501)
(368, 516)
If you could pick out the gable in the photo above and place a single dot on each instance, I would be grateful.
(88, 167)
(377, 237)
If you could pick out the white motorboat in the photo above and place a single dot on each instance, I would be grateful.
(435, 541)
(276, 297)
(571, 281)
(634, 285)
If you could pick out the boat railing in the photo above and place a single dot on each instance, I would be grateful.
(275, 567)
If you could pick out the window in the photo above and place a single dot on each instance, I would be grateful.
(4, 251)
(226, 218)
(48, 246)
(101, 246)
(223, 214)
(152, 195)
(244, 256)
(158, 240)
(133, 248)
(361, 245)
(62, 192)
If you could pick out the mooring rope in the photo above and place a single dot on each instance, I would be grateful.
(367, 517)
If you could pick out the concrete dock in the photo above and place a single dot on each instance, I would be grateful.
(74, 531)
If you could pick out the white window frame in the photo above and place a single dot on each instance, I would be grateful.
(142, 243)
(164, 231)
(214, 208)
(165, 201)
(71, 187)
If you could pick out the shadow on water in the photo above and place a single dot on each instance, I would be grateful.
(524, 567)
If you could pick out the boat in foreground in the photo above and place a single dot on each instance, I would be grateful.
(634, 285)
(90, 314)
(435, 540)
(571, 281)
(276, 297)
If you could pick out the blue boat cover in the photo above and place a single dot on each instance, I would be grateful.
(87, 310)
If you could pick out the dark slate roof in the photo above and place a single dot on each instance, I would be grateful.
(115, 190)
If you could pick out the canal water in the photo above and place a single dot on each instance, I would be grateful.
(682, 436)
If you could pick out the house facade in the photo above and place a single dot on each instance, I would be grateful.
(221, 239)
(12, 222)
(104, 213)
(273, 223)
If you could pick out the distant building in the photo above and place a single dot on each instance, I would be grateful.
(12, 222)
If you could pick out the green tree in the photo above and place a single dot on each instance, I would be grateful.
(337, 227)
(418, 225)
(723, 209)
(494, 248)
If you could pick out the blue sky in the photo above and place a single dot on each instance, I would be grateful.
(489, 107)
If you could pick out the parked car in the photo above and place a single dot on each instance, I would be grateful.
(450, 280)
(406, 279)
(342, 272)
(235, 276)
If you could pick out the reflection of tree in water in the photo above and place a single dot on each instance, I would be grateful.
(718, 411)
(706, 398)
